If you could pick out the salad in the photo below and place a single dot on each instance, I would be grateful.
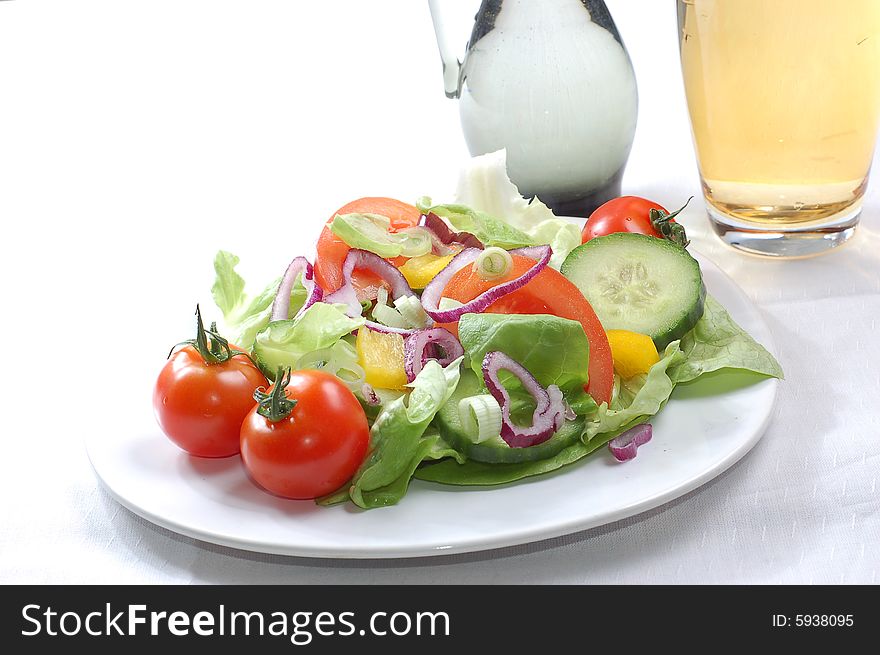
(473, 343)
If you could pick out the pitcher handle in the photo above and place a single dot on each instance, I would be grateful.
(451, 63)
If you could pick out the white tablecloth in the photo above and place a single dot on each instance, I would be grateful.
(137, 138)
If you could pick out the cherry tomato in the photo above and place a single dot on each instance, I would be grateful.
(624, 214)
(201, 406)
(315, 448)
(549, 292)
(331, 250)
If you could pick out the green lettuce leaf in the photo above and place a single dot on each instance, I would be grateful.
(293, 342)
(243, 315)
(400, 441)
(555, 350)
(563, 236)
(717, 342)
(371, 232)
(645, 395)
(488, 229)
(650, 393)
(484, 185)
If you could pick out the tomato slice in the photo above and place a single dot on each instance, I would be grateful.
(549, 292)
(331, 250)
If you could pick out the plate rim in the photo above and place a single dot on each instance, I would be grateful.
(475, 543)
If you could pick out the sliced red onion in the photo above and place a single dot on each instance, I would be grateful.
(444, 235)
(549, 414)
(417, 346)
(281, 304)
(532, 252)
(557, 406)
(387, 329)
(365, 260)
(433, 292)
(625, 446)
(370, 395)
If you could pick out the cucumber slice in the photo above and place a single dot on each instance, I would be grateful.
(495, 450)
(639, 283)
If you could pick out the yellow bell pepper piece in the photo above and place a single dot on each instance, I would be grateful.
(633, 353)
(381, 357)
(418, 271)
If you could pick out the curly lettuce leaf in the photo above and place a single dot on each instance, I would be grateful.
(555, 350)
(716, 343)
(244, 315)
(293, 342)
(400, 441)
(483, 184)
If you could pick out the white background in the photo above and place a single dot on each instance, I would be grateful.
(138, 137)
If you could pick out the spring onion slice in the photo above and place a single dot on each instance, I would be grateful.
(480, 417)
(493, 263)
(434, 290)
(413, 313)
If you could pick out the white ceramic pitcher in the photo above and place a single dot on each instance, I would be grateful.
(550, 81)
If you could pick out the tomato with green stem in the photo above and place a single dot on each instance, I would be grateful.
(549, 292)
(204, 392)
(636, 215)
(306, 437)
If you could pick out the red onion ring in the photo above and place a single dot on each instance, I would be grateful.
(281, 304)
(443, 235)
(434, 290)
(365, 260)
(625, 446)
(416, 350)
(370, 395)
(549, 414)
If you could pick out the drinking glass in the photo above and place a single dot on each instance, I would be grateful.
(784, 100)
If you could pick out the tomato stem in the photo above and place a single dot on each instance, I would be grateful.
(667, 227)
(213, 348)
(275, 405)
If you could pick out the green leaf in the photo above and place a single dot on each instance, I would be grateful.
(228, 288)
(563, 236)
(489, 230)
(717, 342)
(554, 350)
(289, 343)
(371, 232)
(650, 393)
(243, 315)
(645, 395)
(485, 187)
(398, 439)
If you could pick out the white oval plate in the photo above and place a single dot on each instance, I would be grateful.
(699, 434)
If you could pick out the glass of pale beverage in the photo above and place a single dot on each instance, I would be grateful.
(784, 101)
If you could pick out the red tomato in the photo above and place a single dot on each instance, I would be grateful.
(624, 214)
(549, 292)
(200, 406)
(316, 448)
(331, 250)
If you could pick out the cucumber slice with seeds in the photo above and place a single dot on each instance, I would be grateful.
(639, 283)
